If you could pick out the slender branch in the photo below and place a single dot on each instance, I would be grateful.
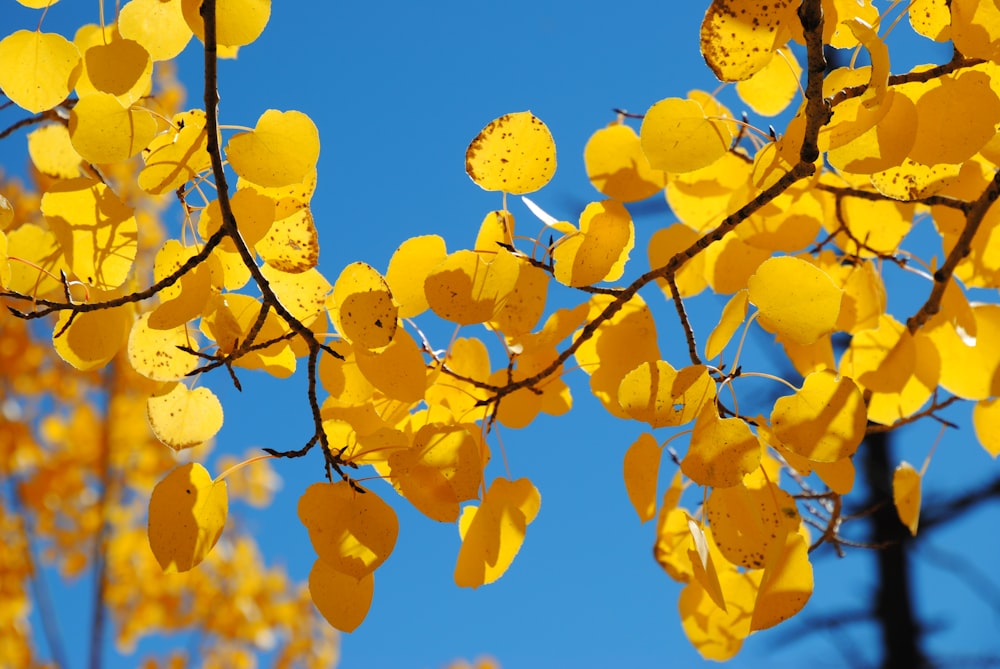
(874, 428)
(962, 248)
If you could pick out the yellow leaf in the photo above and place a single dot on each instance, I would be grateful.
(291, 243)
(351, 531)
(975, 29)
(598, 252)
(282, 148)
(121, 67)
(657, 394)
(906, 495)
(617, 167)
(871, 142)
(787, 583)
(98, 232)
(103, 130)
(514, 154)
(733, 315)
(186, 299)
(408, 269)
(722, 450)
(303, 294)
(747, 521)
(703, 565)
(526, 302)
(93, 338)
(398, 370)
(154, 353)
(772, 88)
(730, 262)
(440, 470)
(38, 70)
(970, 361)
(716, 634)
(52, 152)
(178, 155)
(702, 198)
(342, 599)
(158, 25)
(228, 318)
(238, 22)
(739, 36)
(641, 470)
(181, 417)
(986, 421)
(673, 539)
(824, 421)
(187, 512)
(494, 532)
(931, 18)
(470, 287)
(967, 94)
(41, 264)
(664, 245)
(362, 307)
(797, 300)
(677, 136)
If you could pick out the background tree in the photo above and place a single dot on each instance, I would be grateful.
(574, 263)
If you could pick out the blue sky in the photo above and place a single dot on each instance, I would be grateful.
(398, 90)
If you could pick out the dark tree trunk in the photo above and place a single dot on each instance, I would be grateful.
(893, 603)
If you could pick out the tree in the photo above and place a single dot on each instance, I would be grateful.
(800, 225)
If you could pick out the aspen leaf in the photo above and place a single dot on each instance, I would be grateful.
(704, 566)
(4, 257)
(178, 155)
(342, 599)
(797, 300)
(966, 95)
(291, 243)
(52, 152)
(746, 521)
(103, 130)
(492, 534)
(181, 417)
(497, 229)
(187, 511)
(45, 261)
(38, 70)
(730, 262)
(986, 421)
(397, 370)
(470, 287)
(526, 302)
(657, 394)
(703, 197)
(906, 495)
(37, 4)
(773, 87)
(664, 245)
(121, 67)
(909, 180)
(787, 583)
(931, 18)
(617, 167)
(599, 250)
(282, 149)
(228, 319)
(514, 154)
(98, 232)
(739, 36)
(824, 421)
(352, 532)
(722, 450)
(677, 136)
(715, 633)
(641, 470)
(93, 338)
(303, 294)
(363, 310)
(154, 353)
(440, 470)
(970, 364)
(186, 299)
(733, 315)
(408, 269)
(673, 540)
(238, 22)
(158, 25)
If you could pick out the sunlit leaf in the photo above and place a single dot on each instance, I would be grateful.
(787, 583)
(599, 250)
(282, 148)
(238, 22)
(351, 531)
(986, 420)
(514, 154)
(181, 417)
(37, 70)
(658, 394)
(492, 534)
(177, 156)
(772, 88)
(362, 307)
(617, 167)
(677, 136)
(796, 299)
(93, 338)
(408, 269)
(824, 421)
(52, 152)
(733, 315)
(722, 450)
(641, 470)
(739, 36)
(155, 353)
(342, 599)
(746, 521)
(187, 512)
(470, 287)
(158, 25)
(906, 495)
(103, 130)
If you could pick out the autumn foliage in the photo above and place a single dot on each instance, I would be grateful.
(157, 246)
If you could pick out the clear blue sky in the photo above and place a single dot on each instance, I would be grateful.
(398, 89)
